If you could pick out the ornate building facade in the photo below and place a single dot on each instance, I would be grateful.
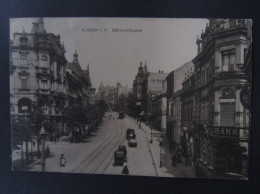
(37, 73)
(219, 139)
(40, 75)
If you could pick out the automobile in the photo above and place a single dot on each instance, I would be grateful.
(122, 148)
(132, 143)
(120, 117)
(120, 155)
(130, 134)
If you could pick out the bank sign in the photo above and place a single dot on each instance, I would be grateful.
(226, 131)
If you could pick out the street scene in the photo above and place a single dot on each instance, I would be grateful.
(131, 96)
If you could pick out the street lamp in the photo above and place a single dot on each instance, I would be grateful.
(42, 136)
(161, 142)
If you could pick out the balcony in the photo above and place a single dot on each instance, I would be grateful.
(229, 74)
(44, 72)
(228, 24)
(43, 91)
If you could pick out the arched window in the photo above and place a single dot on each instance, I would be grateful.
(44, 61)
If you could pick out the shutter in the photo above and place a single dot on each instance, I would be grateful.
(227, 114)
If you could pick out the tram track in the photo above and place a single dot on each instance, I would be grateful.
(90, 157)
(95, 160)
(113, 148)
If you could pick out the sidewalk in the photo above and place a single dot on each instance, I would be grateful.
(167, 170)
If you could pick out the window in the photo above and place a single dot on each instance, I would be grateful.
(245, 52)
(207, 72)
(58, 69)
(232, 23)
(44, 84)
(227, 114)
(23, 81)
(228, 60)
(44, 61)
(23, 60)
(203, 75)
(191, 113)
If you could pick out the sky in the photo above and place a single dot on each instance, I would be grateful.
(114, 56)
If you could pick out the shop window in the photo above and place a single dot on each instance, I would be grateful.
(228, 60)
(234, 160)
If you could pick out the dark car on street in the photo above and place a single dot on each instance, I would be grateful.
(130, 134)
(132, 143)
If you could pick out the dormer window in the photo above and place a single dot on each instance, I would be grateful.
(23, 40)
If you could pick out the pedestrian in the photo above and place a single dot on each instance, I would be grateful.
(170, 147)
(125, 169)
(62, 160)
(174, 159)
(47, 152)
(186, 159)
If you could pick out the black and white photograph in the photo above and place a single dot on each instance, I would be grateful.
(157, 97)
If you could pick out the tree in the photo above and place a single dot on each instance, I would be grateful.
(21, 131)
(37, 117)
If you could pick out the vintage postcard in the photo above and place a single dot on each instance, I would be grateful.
(160, 97)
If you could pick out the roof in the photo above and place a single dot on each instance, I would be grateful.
(75, 67)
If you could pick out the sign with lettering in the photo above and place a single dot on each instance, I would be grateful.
(226, 131)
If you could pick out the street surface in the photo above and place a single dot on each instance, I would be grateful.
(96, 155)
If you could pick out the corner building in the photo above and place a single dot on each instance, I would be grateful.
(219, 139)
(38, 74)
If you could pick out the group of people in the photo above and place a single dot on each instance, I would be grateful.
(177, 152)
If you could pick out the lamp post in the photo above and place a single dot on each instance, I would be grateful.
(42, 136)
(151, 141)
(161, 142)
(151, 124)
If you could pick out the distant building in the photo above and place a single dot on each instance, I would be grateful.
(80, 90)
(154, 91)
(112, 94)
(174, 90)
(138, 88)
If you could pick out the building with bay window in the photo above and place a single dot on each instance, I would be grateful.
(219, 137)
(37, 73)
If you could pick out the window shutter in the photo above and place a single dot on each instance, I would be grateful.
(227, 114)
